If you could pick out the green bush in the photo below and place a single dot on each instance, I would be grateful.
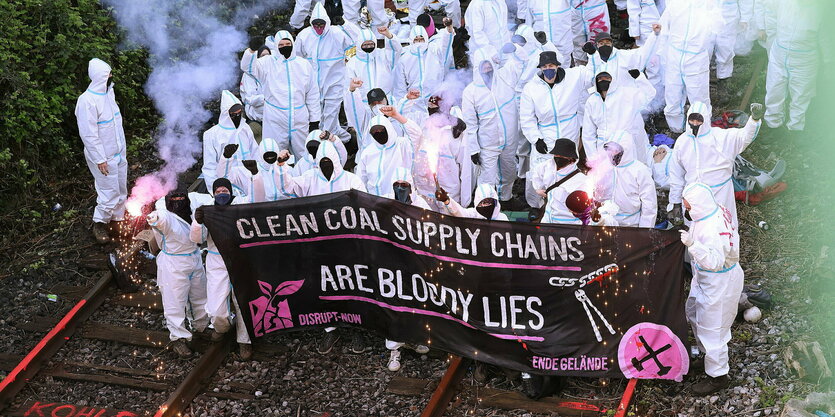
(44, 49)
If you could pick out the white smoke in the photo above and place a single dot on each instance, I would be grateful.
(193, 50)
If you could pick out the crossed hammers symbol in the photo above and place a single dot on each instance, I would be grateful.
(653, 354)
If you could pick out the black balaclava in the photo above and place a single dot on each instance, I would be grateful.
(368, 50)
(326, 165)
(178, 203)
(602, 85)
(236, 112)
(436, 100)
(381, 136)
(485, 207)
(222, 199)
(459, 128)
(312, 147)
(402, 192)
(270, 157)
(605, 52)
(695, 128)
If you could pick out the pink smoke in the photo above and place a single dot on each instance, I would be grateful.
(148, 189)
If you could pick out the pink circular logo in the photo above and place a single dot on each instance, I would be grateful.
(652, 351)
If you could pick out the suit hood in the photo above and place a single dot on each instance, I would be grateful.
(624, 139)
(328, 150)
(98, 71)
(382, 121)
(365, 35)
(613, 85)
(267, 145)
(531, 44)
(487, 191)
(481, 56)
(283, 34)
(702, 203)
(227, 100)
(699, 108)
(319, 13)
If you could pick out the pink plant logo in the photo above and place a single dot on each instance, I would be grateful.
(271, 311)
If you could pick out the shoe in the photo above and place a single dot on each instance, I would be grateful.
(394, 361)
(327, 344)
(221, 325)
(767, 193)
(357, 344)
(216, 336)
(417, 348)
(245, 350)
(100, 232)
(710, 385)
(180, 347)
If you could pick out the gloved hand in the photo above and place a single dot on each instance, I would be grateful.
(635, 73)
(312, 126)
(541, 37)
(251, 166)
(757, 111)
(441, 195)
(675, 215)
(476, 157)
(198, 215)
(229, 150)
(589, 47)
(541, 146)
(283, 156)
(153, 217)
(324, 135)
(686, 238)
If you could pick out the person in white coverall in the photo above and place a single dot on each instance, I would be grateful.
(100, 127)
(643, 15)
(180, 275)
(548, 111)
(311, 144)
(220, 298)
(633, 190)
(291, 95)
(489, 107)
(604, 57)
(325, 178)
(616, 105)
(561, 166)
(713, 245)
(443, 138)
(792, 64)
(589, 17)
(452, 9)
(487, 24)
(422, 65)
(378, 161)
(324, 46)
(726, 38)
(706, 154)
(553, 17)
(231, 128)
(250, 86)
(689, 31)
(486, 204)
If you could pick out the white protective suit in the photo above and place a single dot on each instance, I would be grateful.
(313, 182)
(792, 64)
(487, 24)
(726, 38)
(452, 9)
(589, 17)
(550, 113)
(220, 298)
(545, 175)
(717, 277)
(454, 167)
(554, 18)
(633, 190)
(180, 275)
(291, 95)
(483, 191)
(423, 65)
(302, 9)
(620, 110)
(622, 60)
(263, 186)
(222, 134)
(100, 127)
(376, 163)
(687, 34)
(709, 158)
(642, 15)
(251, 87)
(326, 54)
(491, 115)
(308, 161)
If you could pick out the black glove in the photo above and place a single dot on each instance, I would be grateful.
(674, 216)
(541, 146)
(198, 215)
(229, 150)
(476, 157)
(757, 111)
(441, 195)
(251, 166)
(635, 73)
(541, 37)
(312, 126)
(282, 158)
(589, 47)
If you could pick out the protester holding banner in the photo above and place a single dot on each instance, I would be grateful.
(487, 204)
(554, 179)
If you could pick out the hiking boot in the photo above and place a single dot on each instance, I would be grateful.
(245, 350)
(421, 349)
(357, 344)
(394, 361)
(221, 325)
(100, 232)
(697, 366)
(710, 385)
(328, 342)
(180, 347)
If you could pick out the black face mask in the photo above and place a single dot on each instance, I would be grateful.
(312, 147)
(486, 210)
(110, 82)
(181, 207)
(403, 193)
(433, 110)
(326, 165)
(694, 128)
(603, 85)
(270, 157)
(458, 129)
(605, 52)
(223, 199)
(687, 215)
(381, 136)
(616, 158)
(562, 162)
(560, 75)
(368, 49)
(285, 50)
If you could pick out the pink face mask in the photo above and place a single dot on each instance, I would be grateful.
(319, 29)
